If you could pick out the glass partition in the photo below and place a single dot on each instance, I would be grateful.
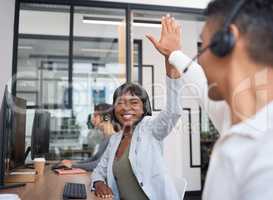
(44, 73)
(98, 63)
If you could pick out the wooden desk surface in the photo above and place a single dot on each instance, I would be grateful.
(50, 186)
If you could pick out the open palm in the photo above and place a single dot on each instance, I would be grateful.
(169, 38)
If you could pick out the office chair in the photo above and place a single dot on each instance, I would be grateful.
(181, 185)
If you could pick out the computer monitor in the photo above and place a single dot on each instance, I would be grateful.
(40, 134)
(18, 133)
(5, 132)
(4, 129)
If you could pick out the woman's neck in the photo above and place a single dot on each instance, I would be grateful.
(127, 131)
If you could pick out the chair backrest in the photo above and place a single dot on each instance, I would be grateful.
(181, 185)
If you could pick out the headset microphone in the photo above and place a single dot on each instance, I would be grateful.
(195, 57)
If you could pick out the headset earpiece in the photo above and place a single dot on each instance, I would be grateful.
(106, 118)
(222, 43)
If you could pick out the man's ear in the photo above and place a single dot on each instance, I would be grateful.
(235, 31)
(239, 38)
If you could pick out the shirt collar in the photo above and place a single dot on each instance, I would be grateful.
(256, 126)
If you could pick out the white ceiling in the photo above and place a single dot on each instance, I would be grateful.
(201, 4)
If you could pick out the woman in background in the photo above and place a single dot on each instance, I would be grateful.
(101, 121)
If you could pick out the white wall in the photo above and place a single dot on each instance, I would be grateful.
(201, 4)
(7, 8)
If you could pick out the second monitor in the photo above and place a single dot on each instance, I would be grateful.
(40, 135)
(17, 136)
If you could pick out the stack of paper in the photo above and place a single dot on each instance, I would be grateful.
(9, 197)
(70, 171)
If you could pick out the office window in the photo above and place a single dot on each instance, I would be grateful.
(153, 70)
(43, 49)
(44, 74)
(98, 57)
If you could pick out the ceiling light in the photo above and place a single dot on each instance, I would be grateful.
(116, 22)
(101, 22)
(146, 25)
(99, 50)
(25, 47)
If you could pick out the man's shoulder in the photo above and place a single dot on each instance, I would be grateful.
(246, 154)
(264, 150)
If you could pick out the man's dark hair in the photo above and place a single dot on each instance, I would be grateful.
(133, 89)
(255, 22)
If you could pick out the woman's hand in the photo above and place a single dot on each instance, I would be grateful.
(170, 38)
(67, 163)
(102, 190)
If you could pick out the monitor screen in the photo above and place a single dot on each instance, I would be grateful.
(40, 134)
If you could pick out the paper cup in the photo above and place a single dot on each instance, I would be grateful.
(39, 165)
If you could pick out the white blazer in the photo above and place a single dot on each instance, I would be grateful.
(146, 152)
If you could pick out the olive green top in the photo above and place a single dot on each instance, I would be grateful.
(128, 186)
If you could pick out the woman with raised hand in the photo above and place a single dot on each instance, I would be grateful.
(132, 166)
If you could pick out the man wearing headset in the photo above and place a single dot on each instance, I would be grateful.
(101, 121)
(235, 86)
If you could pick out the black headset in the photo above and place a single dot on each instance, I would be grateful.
(223, 41)
(106, 117)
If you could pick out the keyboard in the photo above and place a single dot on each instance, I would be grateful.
(74, 191)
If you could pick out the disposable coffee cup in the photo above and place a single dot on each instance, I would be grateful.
(39, 165)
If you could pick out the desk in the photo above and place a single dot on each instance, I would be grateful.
(50, 187)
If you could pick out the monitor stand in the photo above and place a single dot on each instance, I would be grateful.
(8, 186)
(30, 165)
(27, 152)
